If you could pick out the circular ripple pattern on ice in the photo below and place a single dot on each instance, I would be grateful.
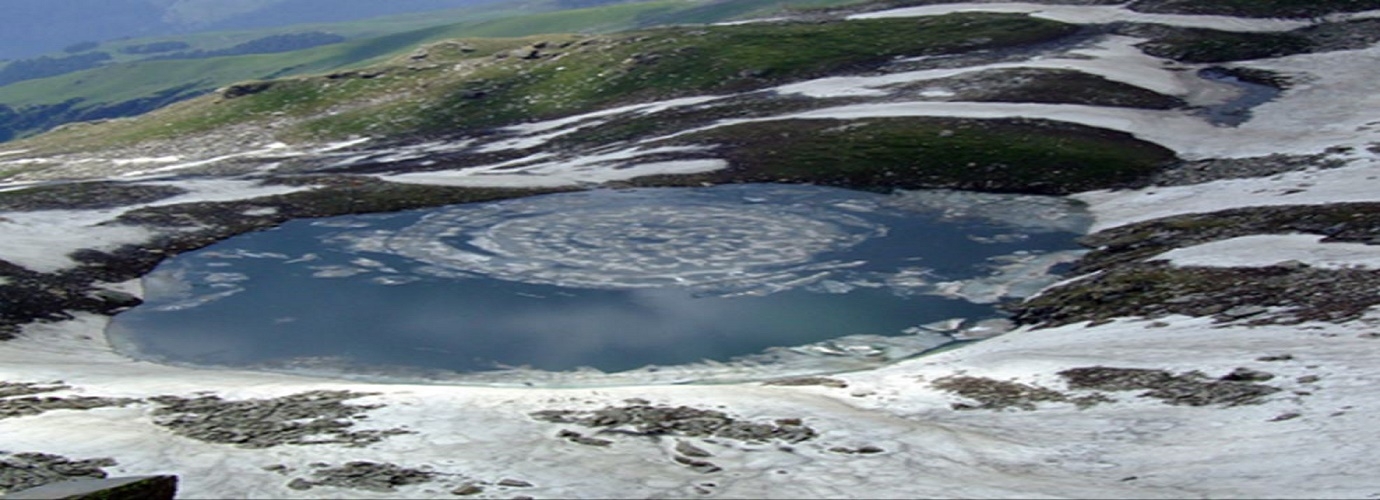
(633, 239)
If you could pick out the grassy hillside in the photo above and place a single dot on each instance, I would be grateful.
(472, 84)
(132, 87)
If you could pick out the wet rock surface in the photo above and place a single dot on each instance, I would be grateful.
(683, 421)
(319, 417)
(21, 471)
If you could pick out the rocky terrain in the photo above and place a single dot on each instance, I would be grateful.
(1217, 339)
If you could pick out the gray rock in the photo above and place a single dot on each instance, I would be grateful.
(690, 450)
(467, 489)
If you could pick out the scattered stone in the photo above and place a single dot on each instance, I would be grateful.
(700, 466)
(9, 389)
(29, 406)
(1286, 416)
(22, 471)
(1244, 311)
(514, 483)
(1198, 172)
(1191, 388)
(1256, 295)
(992, 394)
(318, 417)
(690, 450)
(1308, 379)
(371, 476)
(300, 484)
(1278, 357)
(681, 421)
(578, 438)
(279, 468)
(244, 89)
(467, 489)
(1247, 375)
(865, 450)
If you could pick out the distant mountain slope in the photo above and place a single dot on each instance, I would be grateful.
(32, 27)
(133, 79)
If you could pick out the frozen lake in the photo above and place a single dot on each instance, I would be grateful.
(705, 281)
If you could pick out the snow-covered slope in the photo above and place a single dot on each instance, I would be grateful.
(1172, 406)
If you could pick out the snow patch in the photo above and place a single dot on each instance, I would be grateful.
(1270, 249)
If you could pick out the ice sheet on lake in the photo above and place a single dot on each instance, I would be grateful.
(578, 241)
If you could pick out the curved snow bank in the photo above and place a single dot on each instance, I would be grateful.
(1269, 249)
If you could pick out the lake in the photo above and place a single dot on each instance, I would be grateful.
(694, 284)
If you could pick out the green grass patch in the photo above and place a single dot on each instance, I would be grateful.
(1011, 155)
(677, 62)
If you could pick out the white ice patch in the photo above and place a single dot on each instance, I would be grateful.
(1027, 212)
(562, 241)
(1271, 249)
(1013, 276)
